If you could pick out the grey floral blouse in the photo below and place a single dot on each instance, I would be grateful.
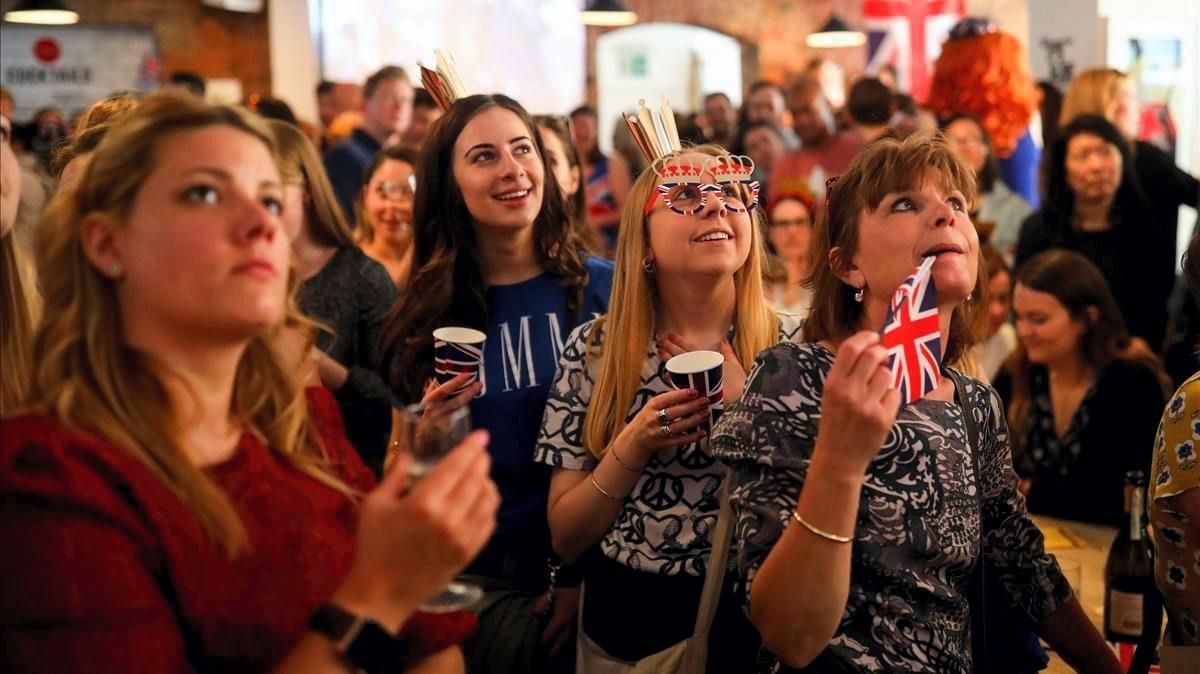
(665, 524)
(917, 533)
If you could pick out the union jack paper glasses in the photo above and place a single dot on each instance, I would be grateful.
(685, 193)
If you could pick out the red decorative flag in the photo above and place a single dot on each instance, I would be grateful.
(912, 335)
(908, 35)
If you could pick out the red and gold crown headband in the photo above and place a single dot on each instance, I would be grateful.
(443, 82)
(681, 188)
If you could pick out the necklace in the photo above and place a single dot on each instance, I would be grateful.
(1065, 399)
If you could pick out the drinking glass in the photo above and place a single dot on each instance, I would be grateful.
(1072, 570)
(427, 434)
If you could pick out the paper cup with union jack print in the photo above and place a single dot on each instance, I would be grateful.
(457, 350)
(703, 371)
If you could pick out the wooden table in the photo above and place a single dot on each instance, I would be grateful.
(1092, 542)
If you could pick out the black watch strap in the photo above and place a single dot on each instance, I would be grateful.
(360, 640)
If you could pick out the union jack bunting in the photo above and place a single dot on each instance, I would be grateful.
(451, 359)
(908, 35)
(912, 335)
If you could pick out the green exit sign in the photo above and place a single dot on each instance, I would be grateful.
(635, 65)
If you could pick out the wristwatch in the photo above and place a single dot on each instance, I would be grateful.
(360, 640)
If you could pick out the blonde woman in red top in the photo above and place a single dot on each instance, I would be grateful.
(172, 501)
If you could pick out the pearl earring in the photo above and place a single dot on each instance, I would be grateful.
(858, 295)
(115, 269)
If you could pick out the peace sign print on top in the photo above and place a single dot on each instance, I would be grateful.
(664, 525)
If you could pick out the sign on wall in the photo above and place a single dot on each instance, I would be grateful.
(70, 68)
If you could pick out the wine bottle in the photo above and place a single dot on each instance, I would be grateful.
(1131, 600)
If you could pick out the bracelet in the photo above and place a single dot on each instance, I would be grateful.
(601, 489)
(823, 534)
(613, 450)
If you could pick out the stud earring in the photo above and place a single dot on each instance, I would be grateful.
(115, 269)
(858, 295)
(970, 296)
(648, 266)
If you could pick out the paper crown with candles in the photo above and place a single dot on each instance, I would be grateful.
(654, 132)
(657, 138)
(443, 81)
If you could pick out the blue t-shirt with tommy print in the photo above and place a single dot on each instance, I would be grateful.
(527, 326)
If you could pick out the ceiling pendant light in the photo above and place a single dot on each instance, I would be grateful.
(607, 13)
(835, 33)
(43, 12)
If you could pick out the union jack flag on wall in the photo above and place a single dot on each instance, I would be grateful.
(908, 35)
(912, 335)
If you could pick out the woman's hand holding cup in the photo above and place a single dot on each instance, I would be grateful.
(667, 420)
(412, 542)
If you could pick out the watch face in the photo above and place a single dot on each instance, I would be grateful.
(372, 649)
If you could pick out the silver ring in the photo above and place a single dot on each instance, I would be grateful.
(662, 417)
(665, 429)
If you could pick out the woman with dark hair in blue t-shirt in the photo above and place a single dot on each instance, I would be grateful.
(493, 251)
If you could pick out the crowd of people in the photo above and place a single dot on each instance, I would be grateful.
(213, 317)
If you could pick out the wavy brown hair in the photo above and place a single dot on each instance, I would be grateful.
(884, 166)
(1079, 285)
(447, 286)
(86, 376)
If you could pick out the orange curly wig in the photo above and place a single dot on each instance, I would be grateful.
(987, 76)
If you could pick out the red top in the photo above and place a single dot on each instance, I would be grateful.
(102, 569)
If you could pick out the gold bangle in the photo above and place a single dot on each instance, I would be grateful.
(823, 534)
(613, 450)
(601, 489)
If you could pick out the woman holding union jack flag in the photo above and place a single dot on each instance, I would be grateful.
(868, 476)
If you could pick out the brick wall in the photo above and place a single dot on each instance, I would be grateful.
(211, 42)
(772, 32)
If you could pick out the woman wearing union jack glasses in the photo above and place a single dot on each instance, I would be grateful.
(859, 519)
(635, 490)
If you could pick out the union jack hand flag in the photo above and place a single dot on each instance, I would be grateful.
(912, 335)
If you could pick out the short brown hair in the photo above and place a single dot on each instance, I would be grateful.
(884, 166)
(384, 74)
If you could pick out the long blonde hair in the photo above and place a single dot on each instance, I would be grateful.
(88, 379)
(1092, 92)
(19, 304)
(629, 324)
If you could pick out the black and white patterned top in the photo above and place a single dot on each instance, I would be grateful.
(665, 523)
(917, 532)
